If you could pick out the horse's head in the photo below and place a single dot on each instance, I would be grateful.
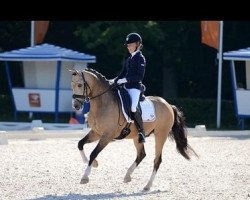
(81, 89)
(87, 84)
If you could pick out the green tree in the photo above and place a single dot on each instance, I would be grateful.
(13, 35)
(106, 40)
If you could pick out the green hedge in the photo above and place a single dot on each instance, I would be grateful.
(5, 108)
(196, 111)
(204, 111)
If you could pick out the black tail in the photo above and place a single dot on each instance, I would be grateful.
(179, 134)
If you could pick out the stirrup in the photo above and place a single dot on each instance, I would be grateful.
(141, 137)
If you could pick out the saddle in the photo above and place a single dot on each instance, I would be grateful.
(123, 97)
(126, 103)
(126, 100)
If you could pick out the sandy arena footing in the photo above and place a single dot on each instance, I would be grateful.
(51, 168)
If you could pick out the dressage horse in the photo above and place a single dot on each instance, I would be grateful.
(107, 121)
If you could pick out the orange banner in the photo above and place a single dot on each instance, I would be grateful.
(210, 33)
(41, 28)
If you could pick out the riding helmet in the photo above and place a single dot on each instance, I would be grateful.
(133, 37)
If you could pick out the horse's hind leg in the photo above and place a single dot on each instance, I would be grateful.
(90, 137)
(160, 138)
(140, 155)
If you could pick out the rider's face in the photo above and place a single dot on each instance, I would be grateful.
(132, 47)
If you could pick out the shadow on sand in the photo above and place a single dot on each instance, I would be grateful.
(96, 196)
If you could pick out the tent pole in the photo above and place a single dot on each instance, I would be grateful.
(32, 43)
(58, 74)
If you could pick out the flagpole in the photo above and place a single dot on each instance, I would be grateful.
(32, 43)
(219, 75)
(32, 34)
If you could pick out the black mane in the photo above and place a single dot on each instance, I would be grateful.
(98, 74)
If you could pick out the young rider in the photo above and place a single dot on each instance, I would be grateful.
(132, 75)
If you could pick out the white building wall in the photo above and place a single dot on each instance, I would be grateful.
(43, 74)
(39, 74)
(40, 79)
(248, 74)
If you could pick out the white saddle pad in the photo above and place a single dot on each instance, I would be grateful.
(148, 110)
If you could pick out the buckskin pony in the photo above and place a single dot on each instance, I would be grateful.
(107, 122)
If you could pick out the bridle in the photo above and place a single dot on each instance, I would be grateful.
(85, 96)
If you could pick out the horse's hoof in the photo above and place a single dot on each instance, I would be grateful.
(84, 180)
(127, 179)
(146, 188)
(95, 163)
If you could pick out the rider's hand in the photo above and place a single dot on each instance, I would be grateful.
(122, 80)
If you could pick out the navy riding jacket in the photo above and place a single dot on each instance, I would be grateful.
(133, 70)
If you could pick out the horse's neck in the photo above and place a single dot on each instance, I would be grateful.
(102, 98)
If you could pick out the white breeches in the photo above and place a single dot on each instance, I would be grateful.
(134, 95)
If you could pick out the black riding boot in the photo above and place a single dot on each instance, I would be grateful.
(139, 125)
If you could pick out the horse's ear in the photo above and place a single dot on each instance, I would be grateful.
(73, 71)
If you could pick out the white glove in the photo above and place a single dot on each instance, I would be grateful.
(122, 80)
(112, 80)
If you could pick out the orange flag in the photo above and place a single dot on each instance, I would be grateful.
(41, 28)
(210, 33)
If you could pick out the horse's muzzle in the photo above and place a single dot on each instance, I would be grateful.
(77, 105)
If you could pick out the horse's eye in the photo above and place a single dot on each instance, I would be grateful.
(79, 85)
(74, 73)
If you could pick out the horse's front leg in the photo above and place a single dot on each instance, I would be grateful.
(140, 155)
(90, 137)
(99, 147)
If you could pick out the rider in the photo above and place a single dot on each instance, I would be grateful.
(132, 75)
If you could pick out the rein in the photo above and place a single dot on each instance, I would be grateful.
(85, 96)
